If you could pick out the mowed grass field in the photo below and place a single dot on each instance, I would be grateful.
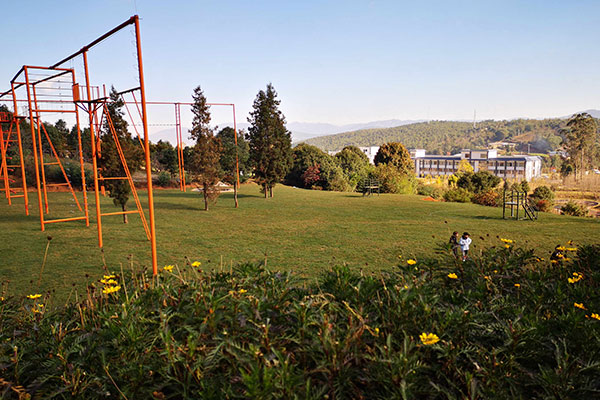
(300, 230)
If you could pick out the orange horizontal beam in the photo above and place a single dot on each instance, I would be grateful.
(120, 213)
(54, 111)
(108, 178)
(52, 221)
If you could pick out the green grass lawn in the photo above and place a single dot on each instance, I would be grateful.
(299, 230)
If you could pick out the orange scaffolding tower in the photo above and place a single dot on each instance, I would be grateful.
(38, 103)
(92, 105)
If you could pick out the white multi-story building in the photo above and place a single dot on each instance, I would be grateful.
(517, 167)
(370, 152)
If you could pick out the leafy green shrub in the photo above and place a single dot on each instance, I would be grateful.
(479, 182)
(394, 181)
(164, 179)
(504, 325)
(425, 190)
(435, 191)
(574, 209)
(458, 195)
(488, 198)
(543, 193)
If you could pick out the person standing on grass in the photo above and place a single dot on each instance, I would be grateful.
(464, 243)
(454, 243)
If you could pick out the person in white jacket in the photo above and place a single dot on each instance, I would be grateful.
(464, 243)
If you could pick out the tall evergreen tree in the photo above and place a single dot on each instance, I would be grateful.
(270, 141)
(581, 136)
(233, 158)
(207, 151)
(109, 161)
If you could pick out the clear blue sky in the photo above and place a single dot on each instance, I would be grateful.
(333, 61)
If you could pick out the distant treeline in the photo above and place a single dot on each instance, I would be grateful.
(441, 137)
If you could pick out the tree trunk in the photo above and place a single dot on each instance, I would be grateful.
(271, 191)
(205, 194)
(582, 169)
(124, 207)
(235, 190)
(265, 190)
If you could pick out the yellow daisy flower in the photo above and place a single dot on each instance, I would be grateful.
(429, 338)
(111, 289)
(168, 268)
(452, 275)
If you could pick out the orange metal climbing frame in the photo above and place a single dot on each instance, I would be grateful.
(92, 105)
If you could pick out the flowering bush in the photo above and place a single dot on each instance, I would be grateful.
(488, 198)
(507, 324)
(544, 205)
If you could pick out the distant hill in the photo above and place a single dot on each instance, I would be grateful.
(300, 130)
(306, 130)
(443, 137)
(594, 113)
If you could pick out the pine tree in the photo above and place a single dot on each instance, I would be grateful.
(581, 136)
(109, 161)
(207, 151)
(270, 141)
(233, 159)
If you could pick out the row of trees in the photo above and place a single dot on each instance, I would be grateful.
(312, 168)
(266, 148)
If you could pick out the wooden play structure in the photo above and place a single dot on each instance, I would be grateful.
(518, 205)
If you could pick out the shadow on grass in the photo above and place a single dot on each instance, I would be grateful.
(487, 217)
(17, 217)
(229, 195)
(176, 206)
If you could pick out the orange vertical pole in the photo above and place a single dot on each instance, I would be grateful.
(237, 164)
(182, 184)
(35, 155)
(83, 185)
(182, 158)
(93, 139)
(39, 130)
(18, 124)
(178, 147)
(146, 147)
(4, 166)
